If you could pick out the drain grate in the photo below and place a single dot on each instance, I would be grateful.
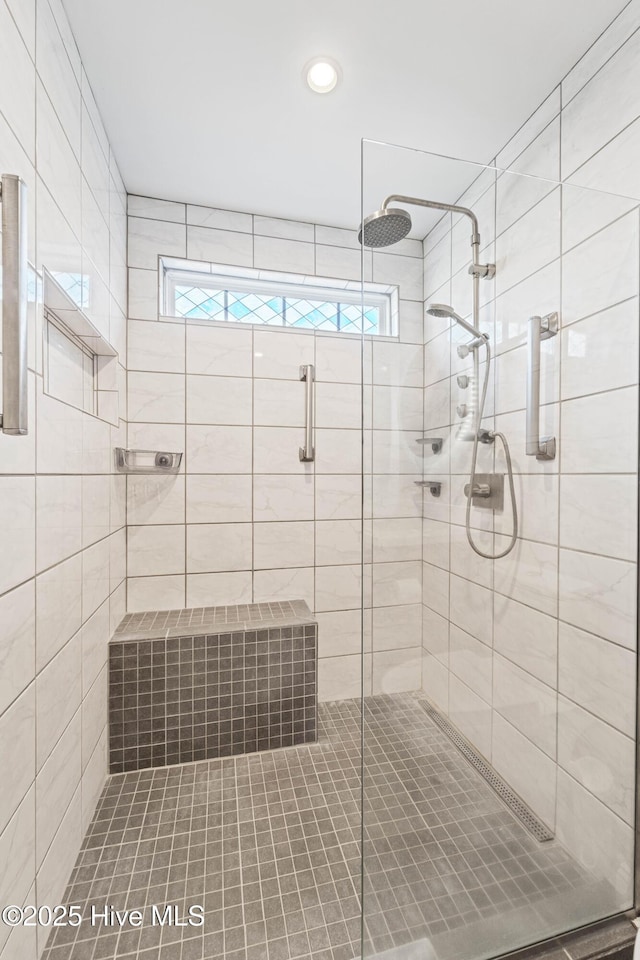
(506, 794)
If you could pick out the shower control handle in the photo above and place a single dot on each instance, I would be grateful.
(479, 490)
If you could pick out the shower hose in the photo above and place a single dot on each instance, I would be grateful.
(474, 460)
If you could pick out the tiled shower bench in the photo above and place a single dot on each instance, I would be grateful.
(211, 682)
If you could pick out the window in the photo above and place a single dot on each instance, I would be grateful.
(203, 291)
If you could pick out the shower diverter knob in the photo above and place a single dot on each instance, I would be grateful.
(479, 490)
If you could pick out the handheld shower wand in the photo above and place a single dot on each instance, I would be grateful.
(475, 432)
(391, 224)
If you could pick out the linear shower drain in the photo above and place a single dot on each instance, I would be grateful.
(517, 806)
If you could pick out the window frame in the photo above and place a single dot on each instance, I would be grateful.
(178, 272)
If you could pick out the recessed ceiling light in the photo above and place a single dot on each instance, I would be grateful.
(322, 74)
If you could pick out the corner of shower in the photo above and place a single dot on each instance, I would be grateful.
(498, 690)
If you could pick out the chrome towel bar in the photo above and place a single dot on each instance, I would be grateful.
(13, 194)
(307, 375)
(540, 328)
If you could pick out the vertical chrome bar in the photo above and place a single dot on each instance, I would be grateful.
(307, 374)
(14, 305)
(533, 387)
(540, 328)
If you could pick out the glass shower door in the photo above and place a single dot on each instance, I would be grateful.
(499, 674)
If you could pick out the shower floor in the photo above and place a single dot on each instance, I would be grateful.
(269, 845)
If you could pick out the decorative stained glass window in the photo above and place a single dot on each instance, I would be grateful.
(199, 291)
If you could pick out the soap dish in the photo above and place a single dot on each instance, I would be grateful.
(147, 461)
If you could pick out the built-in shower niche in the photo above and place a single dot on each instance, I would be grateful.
(211, 682)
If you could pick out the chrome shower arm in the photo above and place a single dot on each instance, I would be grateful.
(447, 208)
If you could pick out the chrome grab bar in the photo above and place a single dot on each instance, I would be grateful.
(307, 374)
(540, 328)
(13, 194)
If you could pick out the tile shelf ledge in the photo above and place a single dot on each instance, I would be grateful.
(58, 302)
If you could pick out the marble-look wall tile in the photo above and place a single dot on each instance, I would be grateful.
(56, 784)
(435, 681)
(526, 637)
(471, 608)
(155, 549)
(435, 634)
(529, 574)
(471, 714)
(598, 675)
(17, 853)
(606, 45)
(158, 348)
(219, 246)
(156, 397)
(58, 696)
(604, 106)
(598, 514)
(338, 587)
(529, 771)
(156, 593)
(339, 678)
(227, 450)
(531, 243)
(218, 498)
(396, 671)
(615, 250)
(340, 633)
(598, 433)
(58, 862)
(17, 742)
(58, 608)
(152, 209)
(17, 651)
(529, 705)
(209, 589)
(220, 400)
(201, 216)
(595, 836)
(471, 661)
(155, 499)
(593, 363)
(287, 582)
(219, 352)
(597, 756)
(18, 524)
(283, 545)
(600, 595)
(149, 239)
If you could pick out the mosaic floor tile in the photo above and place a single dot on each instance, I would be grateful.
(269, 844)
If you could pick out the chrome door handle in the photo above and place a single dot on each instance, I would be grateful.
(307, 375)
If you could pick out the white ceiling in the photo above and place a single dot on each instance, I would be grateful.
(204, 100)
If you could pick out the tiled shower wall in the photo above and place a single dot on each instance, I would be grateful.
(245, 520)
(62, 513)
(534, 656)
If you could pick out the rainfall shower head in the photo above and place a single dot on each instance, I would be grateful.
(443, 310)
(385, 227)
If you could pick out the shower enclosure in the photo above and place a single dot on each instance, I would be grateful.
(500, 551)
